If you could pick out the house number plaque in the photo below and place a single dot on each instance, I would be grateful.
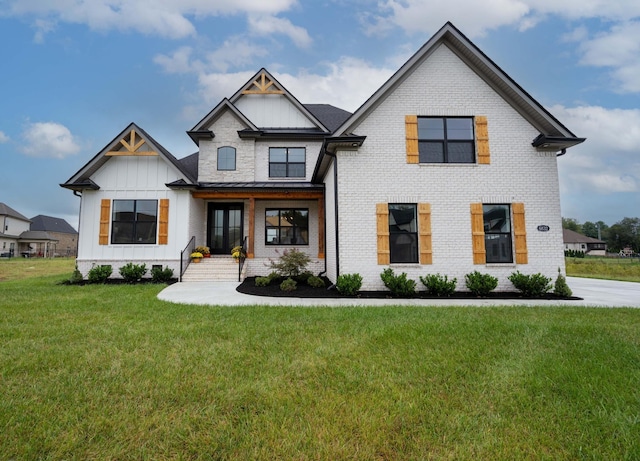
(543, 228)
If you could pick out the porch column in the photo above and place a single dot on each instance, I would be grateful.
(321, 228)
(252, 225)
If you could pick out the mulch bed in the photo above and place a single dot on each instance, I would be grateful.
(305, 291)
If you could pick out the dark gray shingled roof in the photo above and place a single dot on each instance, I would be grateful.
(6, 210)
(330, 116)
(51, 224)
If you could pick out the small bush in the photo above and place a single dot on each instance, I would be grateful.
(132, 273)
(304, 277)
(561, 288)
(439, 285)
(399, 285)
(349, 284)
(289, 285)
(292, 263)
(480, 284)
(263, 281)
(99, 274)
(76, 277)
(535, 285)
(315, 282)
(574, 253)
(160, 275)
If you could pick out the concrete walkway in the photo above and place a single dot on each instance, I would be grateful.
(602, 293)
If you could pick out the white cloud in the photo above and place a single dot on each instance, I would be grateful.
(49, 139)
(167, 18)
(234, 52)
(3, 137)
(619, 48)
(179, 62)
(268, 25)
(476, 18)
(609, 161)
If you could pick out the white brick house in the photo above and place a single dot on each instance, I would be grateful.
(448, 168)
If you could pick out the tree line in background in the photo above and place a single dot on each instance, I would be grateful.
(623, 234)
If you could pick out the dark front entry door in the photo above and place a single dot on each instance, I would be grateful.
(224, 227)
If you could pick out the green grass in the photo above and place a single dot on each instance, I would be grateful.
(21, 268)
(110, 372)
(626, 269)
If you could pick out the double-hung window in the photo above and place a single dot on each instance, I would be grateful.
(289, 226)
(403, 233)
(497, 233)
(134, 221)
(446, 140)
(287, 162)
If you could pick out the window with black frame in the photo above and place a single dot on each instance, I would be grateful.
(446, 140)
(287, 226)
(403, 233)
(287, 162)
(134, 221)
(497, 233)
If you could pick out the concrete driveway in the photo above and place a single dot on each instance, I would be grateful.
(600, 293)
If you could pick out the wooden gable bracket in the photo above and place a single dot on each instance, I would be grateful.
(263, 84)
(131, 147)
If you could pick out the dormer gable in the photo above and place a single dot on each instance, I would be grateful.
(267, 108)
(133, 141)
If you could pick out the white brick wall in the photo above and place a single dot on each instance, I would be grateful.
(378, 173)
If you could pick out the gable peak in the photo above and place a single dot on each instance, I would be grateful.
(263, 83)
(131, 144)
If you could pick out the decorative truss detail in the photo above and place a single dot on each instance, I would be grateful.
(135, 145)
(264, 86)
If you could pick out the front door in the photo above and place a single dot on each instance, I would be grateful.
(224, 227)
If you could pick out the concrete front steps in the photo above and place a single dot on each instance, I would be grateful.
(214, 269)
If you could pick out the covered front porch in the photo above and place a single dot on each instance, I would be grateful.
(267, 219)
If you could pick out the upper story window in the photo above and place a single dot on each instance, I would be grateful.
(287, 162)
(134, 221)
(226, 158)
(446, 140)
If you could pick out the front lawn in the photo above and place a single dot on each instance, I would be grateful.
(110, 372)
(626, 269)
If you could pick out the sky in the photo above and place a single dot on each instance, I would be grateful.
(74, 73)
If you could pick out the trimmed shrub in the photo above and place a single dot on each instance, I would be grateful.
(304, 277)
(315, 282)
(439, 285)
(160, 275)
(534, 285)
(132, 273)
(561, 288)
(574, 253)
(399, 285)
(292, 263)
(99, 274)
(76, 277)
(263, 281)
(349, 284)
(289, 285)
(480, 284)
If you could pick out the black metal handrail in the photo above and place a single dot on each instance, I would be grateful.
(243, 256)
(186, 253)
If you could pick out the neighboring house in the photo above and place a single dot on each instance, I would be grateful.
(18, 238)
(59, 229)
(578, 242)
(449, 167)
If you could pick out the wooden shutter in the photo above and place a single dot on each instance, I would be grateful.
(477, 234)
(482, 140)
(411, 128)
(382, 218)
(163, 232)
(520, 233)
(424, 232)
(105, 215)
